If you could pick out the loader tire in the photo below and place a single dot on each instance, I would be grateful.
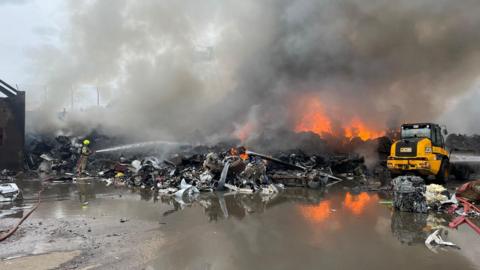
(462, 173)
(444, 172)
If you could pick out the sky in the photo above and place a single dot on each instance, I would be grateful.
(33, 27)
(25, 25)
(29, 27)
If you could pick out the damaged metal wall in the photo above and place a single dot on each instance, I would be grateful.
(12, 127)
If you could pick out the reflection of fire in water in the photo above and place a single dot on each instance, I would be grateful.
(316, 213)
(313, 117)
(358, 203)
(355, 204)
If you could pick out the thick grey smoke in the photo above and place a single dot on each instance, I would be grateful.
(185, 67)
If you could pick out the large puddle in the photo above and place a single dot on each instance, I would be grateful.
(296, 229)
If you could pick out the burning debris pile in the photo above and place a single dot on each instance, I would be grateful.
(194, 168)
(235, 169)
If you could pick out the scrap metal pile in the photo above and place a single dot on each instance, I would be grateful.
(236, 169)
(411, 194)
(58, 154)
(195, 168)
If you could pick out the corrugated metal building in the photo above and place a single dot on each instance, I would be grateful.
(12, 127)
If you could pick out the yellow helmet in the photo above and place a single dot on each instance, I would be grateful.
(86, 142)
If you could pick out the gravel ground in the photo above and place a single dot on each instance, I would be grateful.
(96, 242)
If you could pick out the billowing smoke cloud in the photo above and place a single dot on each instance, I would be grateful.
(186, 67)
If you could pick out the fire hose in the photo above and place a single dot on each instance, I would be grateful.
(14, 229)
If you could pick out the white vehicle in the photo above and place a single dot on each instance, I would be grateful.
(9, 192)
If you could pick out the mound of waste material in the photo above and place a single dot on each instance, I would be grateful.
(206, 168)
(411, 194)
(236, 169)
(408, 194)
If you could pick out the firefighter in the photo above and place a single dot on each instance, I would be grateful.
(85, 152)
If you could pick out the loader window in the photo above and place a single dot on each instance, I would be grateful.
(416, 132)
(437, 139)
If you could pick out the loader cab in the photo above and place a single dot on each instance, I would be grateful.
(420, 151)
(423, 130)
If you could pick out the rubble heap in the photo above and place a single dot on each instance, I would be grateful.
(236, 169)
(408, 194)
(203, 168)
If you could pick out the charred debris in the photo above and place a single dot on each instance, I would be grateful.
(223, 166)
(210, 167)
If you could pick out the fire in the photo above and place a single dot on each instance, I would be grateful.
(358, 203)
(313, 117)
(358, 129)
(240, 151)
(317, 213)
(243, 132)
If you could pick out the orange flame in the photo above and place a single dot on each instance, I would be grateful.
(358, 129)
(240, 151)
(243, 132)
(313, 117)
(358, 203)
(316, 213)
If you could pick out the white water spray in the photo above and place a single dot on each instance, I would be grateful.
(141, 145)
(460, 158)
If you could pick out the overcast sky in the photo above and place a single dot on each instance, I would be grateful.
(27, 25)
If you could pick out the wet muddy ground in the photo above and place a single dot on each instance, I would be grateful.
(87, 225)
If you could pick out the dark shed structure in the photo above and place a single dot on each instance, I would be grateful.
(12, 127)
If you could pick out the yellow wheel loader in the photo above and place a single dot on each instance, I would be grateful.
(420, 151)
